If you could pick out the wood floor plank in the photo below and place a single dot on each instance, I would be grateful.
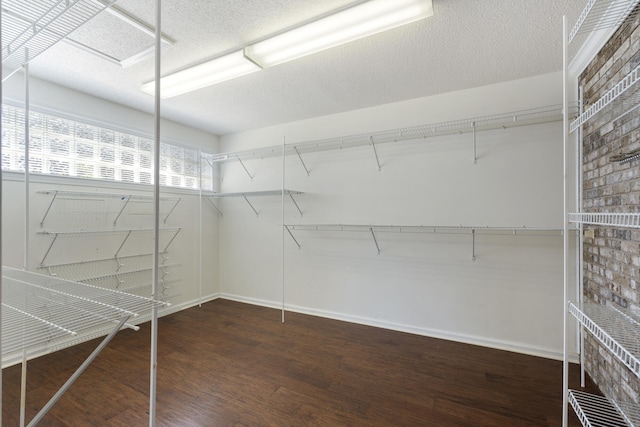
(232, 364)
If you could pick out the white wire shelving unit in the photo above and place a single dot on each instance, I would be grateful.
(248, 194)
(618, 332)
(533, 116)
(42, 313)
(31, 27)
(375, 230)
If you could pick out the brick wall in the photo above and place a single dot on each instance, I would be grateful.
(612, 257)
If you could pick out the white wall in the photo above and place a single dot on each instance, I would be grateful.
(59, 100)
(510, 297)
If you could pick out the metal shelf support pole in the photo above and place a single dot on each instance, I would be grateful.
(292, 236)
(77, 373)
(115, 256)
(373, 234)
(244, 167)
(172, 239)
(301, 161)
(475, 151)
(55, 237)
(53, 199)
(115, 221)
(215, 207)
(254, 209)
(473, 245)
(375, 152)
(295, 203)
(164, 221)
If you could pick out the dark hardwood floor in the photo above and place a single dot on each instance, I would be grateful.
(232, 364)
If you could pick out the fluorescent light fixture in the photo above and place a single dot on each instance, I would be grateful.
(361, 20)
(350, 24)
(208, 73)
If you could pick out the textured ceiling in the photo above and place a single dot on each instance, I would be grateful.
(467, 43)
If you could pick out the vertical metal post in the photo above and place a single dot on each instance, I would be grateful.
(565, 229)
(283, 221)
(580, 263)
(156, 226)
(200, 226)
(1, 78)
(475, 151)
(27, 138)
(473, 245)
(25, 264)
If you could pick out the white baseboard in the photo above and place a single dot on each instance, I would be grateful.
(433, 333)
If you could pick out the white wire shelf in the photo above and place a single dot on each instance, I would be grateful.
(245, 195)
(499, 121)
(40, 311)
(600, 14)
(628, 220)
(124, 198)
(30, 27)
(616, 330)
(447, 229)
(598, 411)
(105, 263)
(121, 273)
(374, 230)
(618, 101)
(104, 231)
(253, 193)
(127, 233)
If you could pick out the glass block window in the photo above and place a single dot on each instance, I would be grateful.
(59, 146)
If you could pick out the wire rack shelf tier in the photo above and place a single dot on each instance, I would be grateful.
(626, 220)
(125, 200)
(618, 101)
(600, 14)
(30, 27)
(499, 121)
(253, 193)
(456, 229)
(86, 194)
(41, 311)
(598, 411)
(616, 331)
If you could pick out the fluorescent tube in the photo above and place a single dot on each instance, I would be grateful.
(208, 73)
(350, 24)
